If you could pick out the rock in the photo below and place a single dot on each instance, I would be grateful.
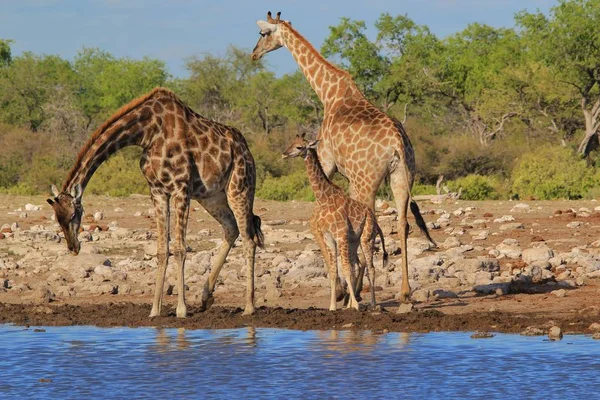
(541, 253)
(481, 335)
(23, 215)
(137, 214)
(504, 218)
(594, 327)
(275, 222)
(450, 242)
(420, 295)
(559, 293)
(42, 295)
(511, 226)
(118, 209)
(508, 250)
(574, 224)
(31, 207)
(596, 336)
(480, 234)
(533, 331)
(555, 333)
(521, 207)
(98, 216)
(405, 308)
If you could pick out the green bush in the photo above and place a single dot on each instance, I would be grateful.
(119, 176)
(477, 187)
(290, 187)
(551, 173)
(421, 188)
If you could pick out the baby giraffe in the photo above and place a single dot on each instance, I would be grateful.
(342, 223)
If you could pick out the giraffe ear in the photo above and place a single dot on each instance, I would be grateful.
(54, 190)
(303, 135)
(266, 27)
(313, 144)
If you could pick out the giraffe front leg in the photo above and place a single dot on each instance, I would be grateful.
(329, 262)
(182, 207)
(161, 207)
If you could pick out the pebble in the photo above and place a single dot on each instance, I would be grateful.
(559, 293)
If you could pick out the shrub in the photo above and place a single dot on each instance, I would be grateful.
(120, 175)
(552, 172)
(477, 187)
(290, 187)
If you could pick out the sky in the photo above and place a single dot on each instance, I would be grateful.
(173, 30)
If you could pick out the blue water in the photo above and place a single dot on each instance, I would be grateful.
(126, 363)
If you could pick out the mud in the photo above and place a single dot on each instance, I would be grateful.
(423, 320)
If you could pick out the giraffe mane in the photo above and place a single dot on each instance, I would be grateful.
(316, 53)
(113, 118)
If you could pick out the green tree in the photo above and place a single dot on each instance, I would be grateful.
(105, 83)
(27, 83)
(5, 52)
(566, 41)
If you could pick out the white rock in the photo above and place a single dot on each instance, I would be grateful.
(574, 224)
(450, 242)
(521, 207)
(504, 218)
(98, 216)
(542, 253)
(511, 226)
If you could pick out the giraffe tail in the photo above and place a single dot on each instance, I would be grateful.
(385, 253)
(257, 235)
(414, 208)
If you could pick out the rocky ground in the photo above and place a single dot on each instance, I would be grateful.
(500, 266)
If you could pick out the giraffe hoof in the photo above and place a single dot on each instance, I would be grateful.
(248, 311)
(181, 312)
(205, 305)
(154, 313)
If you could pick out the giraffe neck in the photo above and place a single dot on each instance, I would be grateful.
(128, 130)
(321, 185)
(329, 82)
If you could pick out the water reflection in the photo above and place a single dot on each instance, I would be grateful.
(269, 363)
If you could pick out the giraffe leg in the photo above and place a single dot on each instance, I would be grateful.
(367, 244)
(346, 261)
(401, 195)
(181, 203)
(161, 208)
(329, 262)
(333, 275)
(241, 205)
(366, 197)
(218, 208)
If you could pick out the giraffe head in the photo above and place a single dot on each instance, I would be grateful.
(299, 147)
(68, 211)
(270, 36)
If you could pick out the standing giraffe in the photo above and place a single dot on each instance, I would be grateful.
(356, 138)
(185, 157)
(342, 223)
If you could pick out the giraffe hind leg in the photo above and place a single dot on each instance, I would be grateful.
(217, 207)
